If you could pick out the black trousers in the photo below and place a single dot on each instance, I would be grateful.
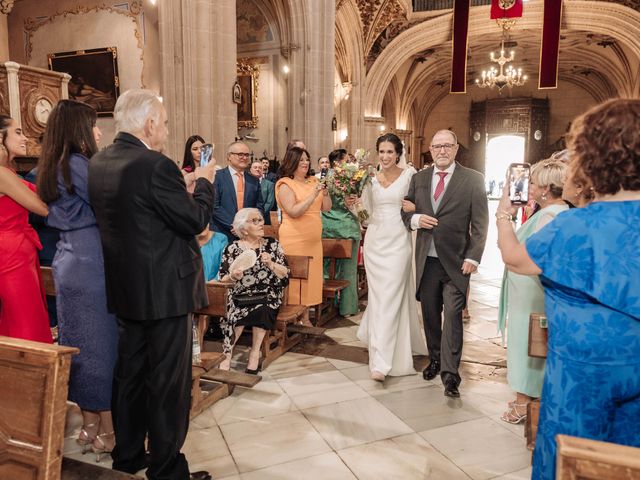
(444, 338)
(152, 395)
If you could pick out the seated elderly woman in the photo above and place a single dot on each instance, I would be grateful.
(260, 278)
(588, 263)
(522, 295)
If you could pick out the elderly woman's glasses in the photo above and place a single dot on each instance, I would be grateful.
(257, 221)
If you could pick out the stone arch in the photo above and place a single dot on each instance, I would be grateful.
(604, 18)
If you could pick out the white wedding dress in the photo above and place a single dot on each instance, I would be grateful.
(390, 325)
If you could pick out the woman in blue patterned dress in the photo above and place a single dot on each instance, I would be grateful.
(70, 139)
(588, 262)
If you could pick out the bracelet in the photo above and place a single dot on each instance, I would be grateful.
(504, 216)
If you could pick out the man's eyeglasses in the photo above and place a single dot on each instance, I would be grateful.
(242, 155)
(446, 146)
(257, 221)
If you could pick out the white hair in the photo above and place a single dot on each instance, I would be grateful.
(241, 220)
(233, 144)
(134, 107)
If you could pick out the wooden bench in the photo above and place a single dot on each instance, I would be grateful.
(333, 249)
(537, 348)
(283, 337)
(34, 380)
(583, 459)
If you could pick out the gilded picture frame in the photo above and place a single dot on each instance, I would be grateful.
(248, 78)
(94, 76)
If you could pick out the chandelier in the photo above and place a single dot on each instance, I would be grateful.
(509, 77)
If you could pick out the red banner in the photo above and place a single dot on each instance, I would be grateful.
(460, 44)
(506, 9)
(550, 47)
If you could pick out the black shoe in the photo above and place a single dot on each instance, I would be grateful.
(432, 370)
(451, 389)
(201, 475)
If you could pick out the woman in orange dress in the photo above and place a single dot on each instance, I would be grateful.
(23, 308)
(301, 198)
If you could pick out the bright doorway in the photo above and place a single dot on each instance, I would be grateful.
(502, 151)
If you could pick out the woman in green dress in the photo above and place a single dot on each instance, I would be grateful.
(339, 222)
(522, 295)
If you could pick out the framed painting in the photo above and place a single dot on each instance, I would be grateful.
(94, 76)
(248, 76)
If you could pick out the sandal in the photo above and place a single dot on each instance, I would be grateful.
(85, 439)
(99, 446)
(512, 416)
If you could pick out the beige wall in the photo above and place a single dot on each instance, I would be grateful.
(69, 25)
(4, 38)
(565, 103)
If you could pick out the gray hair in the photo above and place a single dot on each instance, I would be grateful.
(450, 132)
(134, 107)
(233, 144)
(241, 220)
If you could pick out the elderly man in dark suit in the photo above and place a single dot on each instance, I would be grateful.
(154, 279)
(451, 216)
(235, 189)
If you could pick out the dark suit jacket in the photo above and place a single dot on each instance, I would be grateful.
(225, 205)
(148, 222)
(268, 190)
(463, 220)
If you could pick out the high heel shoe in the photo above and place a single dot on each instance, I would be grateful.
(512, 415)
(251, 371)
(101, 449)
(84, 439)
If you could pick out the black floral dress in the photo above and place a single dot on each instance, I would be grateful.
(257, 279)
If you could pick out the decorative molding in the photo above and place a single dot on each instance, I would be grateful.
(6, 6)
(31, 25)
(250, 66)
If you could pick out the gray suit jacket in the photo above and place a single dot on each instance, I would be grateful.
(463, 219)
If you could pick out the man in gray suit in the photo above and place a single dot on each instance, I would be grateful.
(451, 216)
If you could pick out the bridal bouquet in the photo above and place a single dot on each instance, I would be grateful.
(349, 179)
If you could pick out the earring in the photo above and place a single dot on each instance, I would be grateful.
(544, 197)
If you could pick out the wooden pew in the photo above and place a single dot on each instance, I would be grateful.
(537, 347)
(282, 338)
(34, 380)
(333, 249)
(583, 459)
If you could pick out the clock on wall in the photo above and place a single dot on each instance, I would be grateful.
(41, 110)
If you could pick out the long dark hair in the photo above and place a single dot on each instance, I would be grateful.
(69, 130)
(291, 161)
(187, 159)
(337, 156)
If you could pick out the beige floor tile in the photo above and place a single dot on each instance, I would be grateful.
(355, 422)
(524, 474)
(482, 448)
(272, 440)
(343, 334)
(205, 449)
(343, 364)
(264, 399)
(362, 377)
(427, 408)
(317, 389)
(296, 364)
(206, 419)
(404, 457)
(320, 467)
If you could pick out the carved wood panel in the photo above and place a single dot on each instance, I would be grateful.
(4, 92)
(33, 86)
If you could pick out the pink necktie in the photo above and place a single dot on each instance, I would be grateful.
(439, 186)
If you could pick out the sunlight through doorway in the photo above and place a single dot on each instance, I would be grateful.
(502, 151)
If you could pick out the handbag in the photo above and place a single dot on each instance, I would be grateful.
(250, 299)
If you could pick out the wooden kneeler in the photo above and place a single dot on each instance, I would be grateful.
(333, 249)
(537, 348)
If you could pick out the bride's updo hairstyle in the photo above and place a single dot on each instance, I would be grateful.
(391, 138)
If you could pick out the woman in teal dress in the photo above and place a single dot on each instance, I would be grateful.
(339, 222)
(522, 295)
(588, 263)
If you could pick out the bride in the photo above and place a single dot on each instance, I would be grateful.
(390, 325)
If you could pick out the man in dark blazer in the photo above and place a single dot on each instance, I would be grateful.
(235, 188)
(451, 216)
(267, 189)
(154, 279)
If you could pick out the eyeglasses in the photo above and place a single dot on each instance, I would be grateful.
(446, 146)
(257, 221)
(242, 155)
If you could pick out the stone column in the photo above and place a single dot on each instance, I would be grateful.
(198, 54)
(311, 80)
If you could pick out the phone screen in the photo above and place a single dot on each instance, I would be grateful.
(519, 183)
(206, 152)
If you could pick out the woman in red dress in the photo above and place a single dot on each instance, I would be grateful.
(23, 309)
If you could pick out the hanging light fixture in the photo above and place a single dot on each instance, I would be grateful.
(500, 78)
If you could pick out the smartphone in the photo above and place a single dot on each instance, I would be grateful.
(519, 183)
(206, 152)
